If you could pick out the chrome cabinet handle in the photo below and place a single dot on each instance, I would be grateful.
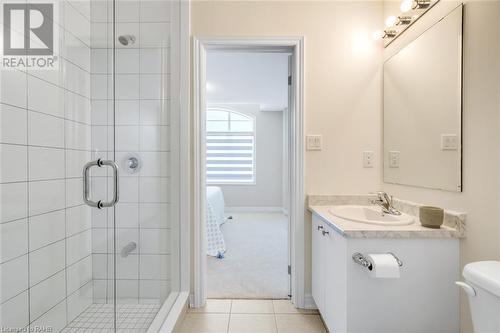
(325, 232)
(320, 227)
(87, 189)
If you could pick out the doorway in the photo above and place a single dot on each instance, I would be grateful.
(248, 169)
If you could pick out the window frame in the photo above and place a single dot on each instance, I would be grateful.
(229, 133)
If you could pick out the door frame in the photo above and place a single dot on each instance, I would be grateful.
(295, 45)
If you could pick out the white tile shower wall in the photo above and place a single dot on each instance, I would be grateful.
(45, 230)
(142, 127)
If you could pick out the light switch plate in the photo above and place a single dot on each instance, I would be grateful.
(394, 159)
(449, 142)
(314, 142)
(368, 157)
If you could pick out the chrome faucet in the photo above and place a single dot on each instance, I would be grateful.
(385, 202)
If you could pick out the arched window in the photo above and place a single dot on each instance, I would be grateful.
(230, 147)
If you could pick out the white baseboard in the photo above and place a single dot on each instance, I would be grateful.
(309, 302)
(253, 210)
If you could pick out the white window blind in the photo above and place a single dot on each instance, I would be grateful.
(230, 145)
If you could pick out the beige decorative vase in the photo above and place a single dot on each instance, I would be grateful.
(431, 217)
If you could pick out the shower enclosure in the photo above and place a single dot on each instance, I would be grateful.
(90, 144)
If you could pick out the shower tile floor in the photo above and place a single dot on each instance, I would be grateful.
(130, 318)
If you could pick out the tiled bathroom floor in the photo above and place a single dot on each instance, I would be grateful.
(251, 316)
(130, 318)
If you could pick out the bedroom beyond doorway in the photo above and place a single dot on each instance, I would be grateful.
(246, 174)
(253, 266)
(249, 159)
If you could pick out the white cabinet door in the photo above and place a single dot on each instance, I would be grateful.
(318, 262)
(335, 272)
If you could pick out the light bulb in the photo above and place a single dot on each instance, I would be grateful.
(406, 5)
(390, 21)
(379, 34)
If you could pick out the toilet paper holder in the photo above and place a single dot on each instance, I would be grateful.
(360, 259)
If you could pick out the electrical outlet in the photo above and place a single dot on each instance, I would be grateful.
(314, 142)
(449, 142)
(394, 159)
(368, 157)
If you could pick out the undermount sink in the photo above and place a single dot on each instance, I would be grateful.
(370, 215)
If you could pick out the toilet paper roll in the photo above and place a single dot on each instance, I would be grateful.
(384, 266)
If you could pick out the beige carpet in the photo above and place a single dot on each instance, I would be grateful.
(256, 261)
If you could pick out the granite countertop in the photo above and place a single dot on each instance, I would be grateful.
(453, 226)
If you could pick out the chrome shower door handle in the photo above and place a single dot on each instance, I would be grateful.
(116, 189)
(87, 188)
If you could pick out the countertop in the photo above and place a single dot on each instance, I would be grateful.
(352, 229)
(453, 227)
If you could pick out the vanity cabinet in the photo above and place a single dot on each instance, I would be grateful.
(317, 263)
(329, 275)
(423, 299)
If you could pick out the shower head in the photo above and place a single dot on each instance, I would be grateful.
(126, 39)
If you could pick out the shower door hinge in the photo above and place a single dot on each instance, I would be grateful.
(289, 270)
(289, 80)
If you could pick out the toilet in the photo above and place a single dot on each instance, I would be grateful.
(482, 285)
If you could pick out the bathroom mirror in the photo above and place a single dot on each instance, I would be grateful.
(423, 109)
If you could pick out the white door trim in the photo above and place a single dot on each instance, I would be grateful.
(297, 167)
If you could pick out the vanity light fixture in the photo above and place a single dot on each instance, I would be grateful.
(404, 20)
(389, 33)
(421, 4)
(395, 25)
(408, 5)
(411, 11)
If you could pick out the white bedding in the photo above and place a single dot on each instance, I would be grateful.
(216, 198)
(214, 218)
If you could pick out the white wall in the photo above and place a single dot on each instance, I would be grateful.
(481, 133)
(267, 190)
(343, 101)
(342, 78)
(252, 78)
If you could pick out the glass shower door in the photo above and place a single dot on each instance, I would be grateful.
(89, 212)
(135, 243)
